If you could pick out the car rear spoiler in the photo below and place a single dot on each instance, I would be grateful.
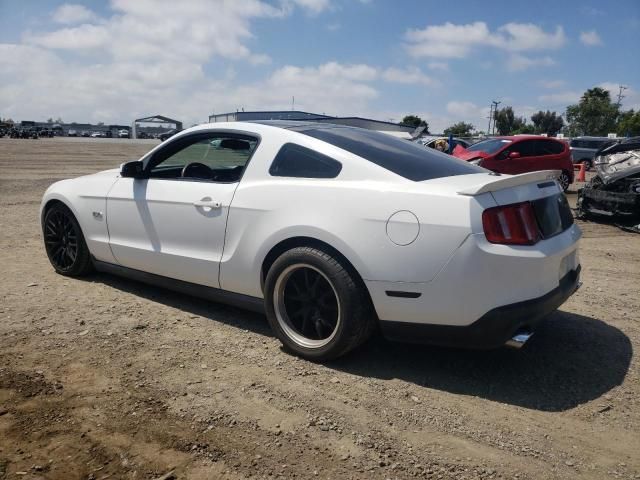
(508, 181)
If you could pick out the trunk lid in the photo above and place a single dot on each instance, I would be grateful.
(549, 203)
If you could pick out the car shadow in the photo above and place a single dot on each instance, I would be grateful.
(570, 360)
(218, 312)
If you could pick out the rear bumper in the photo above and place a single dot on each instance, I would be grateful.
(492, 330)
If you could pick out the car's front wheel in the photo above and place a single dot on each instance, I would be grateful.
(64, 242)
(315, 305)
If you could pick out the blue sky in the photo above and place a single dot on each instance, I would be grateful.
(118, 60)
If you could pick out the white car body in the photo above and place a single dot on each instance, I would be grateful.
(423, 241)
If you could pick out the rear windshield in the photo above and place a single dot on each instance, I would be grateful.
(489, 146)
(407, 159)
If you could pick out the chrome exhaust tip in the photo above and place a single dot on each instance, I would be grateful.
(519, 339)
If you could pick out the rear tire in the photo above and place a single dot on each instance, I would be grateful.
(316, 307)
(64, 242)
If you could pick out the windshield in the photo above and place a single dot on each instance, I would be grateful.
(489, 146)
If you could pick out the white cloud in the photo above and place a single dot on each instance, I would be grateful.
(411, 75)
(146, 30)
(442, 66)
(121, 91)
(447, 40)
(70, 13)
(451, 40)
(519, 37)
(590, 38)
(551, 83)
(463, 109)
(518, 63)
(560, 98)
(83, 37)
(313, 6)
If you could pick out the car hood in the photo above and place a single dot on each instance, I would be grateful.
(618, 161)
(464, 154)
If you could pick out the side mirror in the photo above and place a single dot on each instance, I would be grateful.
(514, 154)
(132, 169)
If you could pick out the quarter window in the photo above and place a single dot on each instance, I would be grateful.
(296, 161)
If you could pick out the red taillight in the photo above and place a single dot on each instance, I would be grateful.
(511, 224)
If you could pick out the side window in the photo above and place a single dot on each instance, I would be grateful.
(209, 157)
(526, 148)
(296, 161)
(548, 147)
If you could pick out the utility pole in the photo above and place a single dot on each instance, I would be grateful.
(293, 103)
(620, 95)
(494, 104)
(490, 115)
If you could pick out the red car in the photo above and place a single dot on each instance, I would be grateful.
(521, 154)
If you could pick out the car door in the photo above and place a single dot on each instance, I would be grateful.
(172, 222)
(549, 154)
(524, 162)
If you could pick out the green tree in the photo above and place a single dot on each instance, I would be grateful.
(460, 129)
(547, 122)
(415, 121)
(594, 114)
(629, 124)
(507, 123)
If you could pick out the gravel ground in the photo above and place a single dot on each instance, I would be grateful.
(107, 378)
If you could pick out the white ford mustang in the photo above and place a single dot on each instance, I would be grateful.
(332, 231)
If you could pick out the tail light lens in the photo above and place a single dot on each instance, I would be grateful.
(511, 224)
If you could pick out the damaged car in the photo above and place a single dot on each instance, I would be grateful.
(615, 190)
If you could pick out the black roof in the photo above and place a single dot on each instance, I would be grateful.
(302, 125)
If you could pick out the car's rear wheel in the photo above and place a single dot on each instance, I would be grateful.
(564, 180)
(315, 305)
(64, 242)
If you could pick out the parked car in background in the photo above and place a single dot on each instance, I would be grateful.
(583, 149)
(168, 134)
(98, 135)
(123, 133)
(85, 133)
(431, 142)
(333, 231)
(521, 154)
(72, 133)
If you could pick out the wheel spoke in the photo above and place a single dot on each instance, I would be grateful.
(305, 322)
(309, 305)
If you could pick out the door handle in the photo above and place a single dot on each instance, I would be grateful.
(207, 203)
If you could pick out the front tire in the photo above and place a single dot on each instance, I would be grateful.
(316, 307)
(64, 242)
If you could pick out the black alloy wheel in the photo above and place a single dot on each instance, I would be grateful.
(64, 242)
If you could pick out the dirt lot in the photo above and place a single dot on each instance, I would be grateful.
(106, 378)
